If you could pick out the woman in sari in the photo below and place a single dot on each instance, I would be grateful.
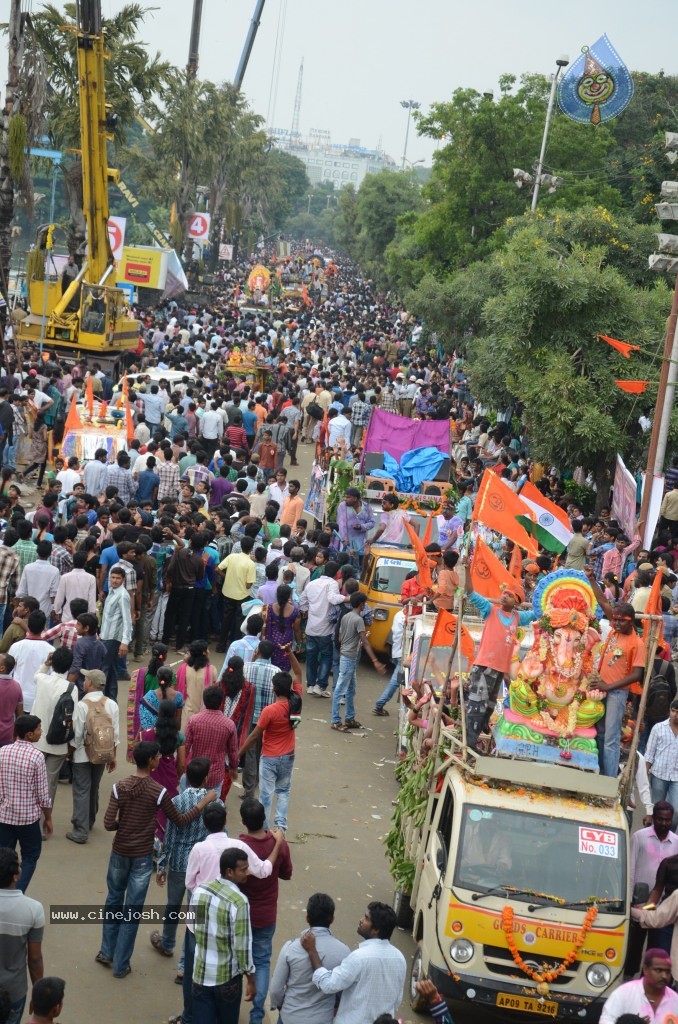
(194, 675)
(238, 705)
(143, 680)
(282, 626)
(172, 745)
(152, 699)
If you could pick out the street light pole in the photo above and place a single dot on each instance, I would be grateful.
(562, 62)
(409, 105)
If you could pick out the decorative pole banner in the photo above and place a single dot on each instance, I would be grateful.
(597, 86)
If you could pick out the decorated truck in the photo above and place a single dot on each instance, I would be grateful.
(512, 870)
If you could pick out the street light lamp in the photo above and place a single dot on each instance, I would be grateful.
(409, 105)
(561, 63)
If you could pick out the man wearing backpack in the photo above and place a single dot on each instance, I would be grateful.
(97, 734)
(55, 700)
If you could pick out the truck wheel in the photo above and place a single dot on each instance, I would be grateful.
(418, 972)
(403, 911)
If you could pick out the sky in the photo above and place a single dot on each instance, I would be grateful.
(363, 57)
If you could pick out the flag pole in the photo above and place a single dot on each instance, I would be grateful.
(663, 406)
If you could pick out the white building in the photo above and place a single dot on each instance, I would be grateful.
(342, 165)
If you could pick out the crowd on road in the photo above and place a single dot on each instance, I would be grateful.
(128, 568)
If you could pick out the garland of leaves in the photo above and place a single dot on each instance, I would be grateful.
(415, 778)
(16, 146)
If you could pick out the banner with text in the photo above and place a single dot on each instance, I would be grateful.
(624, 498)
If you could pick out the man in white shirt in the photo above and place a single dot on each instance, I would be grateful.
(50, 684)
(371, 979)
(279, 490)
(339, 429)
(211, 429)
(318, 599)
(650, 997)
(95, 474)
(29, 654)
(70, 477)
(87, 776)
(74, 584)
(40, 579)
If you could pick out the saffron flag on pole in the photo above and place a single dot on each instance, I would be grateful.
(498, 507)
(516, 564)
(421, 558)
(488, 575)
(89, 395)
(129, 422)
(654, 607)
(444, 631)
(547, 523)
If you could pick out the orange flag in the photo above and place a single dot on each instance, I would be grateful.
(621, 346)
(129, 423)
(632, 387)
(73, 421)
(497, 507)
(103, 409)
(654, 607)
(516, 564)
(89, 395)
(444, 632)
(488, 575)
(237, 291)
(304, 295)
(426, 539)
(422, 559)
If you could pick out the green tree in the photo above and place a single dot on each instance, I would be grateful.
(382, 200)
(289, 184)
(550, 295)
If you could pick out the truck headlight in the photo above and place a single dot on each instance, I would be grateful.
(598, 975)
(380, 614)
(462, 951)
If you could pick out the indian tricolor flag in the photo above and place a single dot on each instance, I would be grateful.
(550, 525)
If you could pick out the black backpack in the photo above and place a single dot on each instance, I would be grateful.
(61, 727)
(315, 411)
(658, 697)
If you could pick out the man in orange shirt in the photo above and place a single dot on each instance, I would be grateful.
(293, 505)
(621, 665)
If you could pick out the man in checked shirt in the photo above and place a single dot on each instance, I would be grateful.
(24, 796)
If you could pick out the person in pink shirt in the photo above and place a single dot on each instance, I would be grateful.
(203, 866)
(614, 559)
(11, 699)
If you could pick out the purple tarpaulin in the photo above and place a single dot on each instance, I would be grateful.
(397, 434)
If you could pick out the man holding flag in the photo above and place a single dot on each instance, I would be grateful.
(498, 640)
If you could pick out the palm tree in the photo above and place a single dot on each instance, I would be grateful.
(133, 79)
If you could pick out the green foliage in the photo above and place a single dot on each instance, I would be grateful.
(537, 341)
(16, 144)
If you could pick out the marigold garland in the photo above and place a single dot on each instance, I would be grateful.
(543, 977)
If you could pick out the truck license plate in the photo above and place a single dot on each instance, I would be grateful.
(526, 1004)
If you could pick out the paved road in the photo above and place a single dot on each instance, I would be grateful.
(340, 807)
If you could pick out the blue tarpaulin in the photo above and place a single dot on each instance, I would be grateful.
(415, 467)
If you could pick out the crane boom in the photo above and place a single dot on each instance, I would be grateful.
(249, 43)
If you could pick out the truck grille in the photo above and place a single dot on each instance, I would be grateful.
(499, 961)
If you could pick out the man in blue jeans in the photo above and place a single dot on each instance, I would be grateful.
(263, 896)
(351, 636)
(319, 599)
(177, 846)
(24, 795)
(131, 814)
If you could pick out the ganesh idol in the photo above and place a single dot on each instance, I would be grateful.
(552, 708)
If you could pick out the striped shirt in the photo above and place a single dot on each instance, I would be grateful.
(260, 673)
(223, 937)
(23, 783)
(169, 480)
(662, 752)
(27, 552)
(121, 478)
(9, 570)
(180, 841)
(131, 813)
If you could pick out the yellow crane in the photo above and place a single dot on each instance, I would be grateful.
(88, 313)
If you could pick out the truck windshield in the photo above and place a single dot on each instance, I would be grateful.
(551, 859)
(390, 574)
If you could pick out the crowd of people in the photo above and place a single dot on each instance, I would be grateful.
(192, 543)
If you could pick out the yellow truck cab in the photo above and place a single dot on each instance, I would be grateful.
(384, 571)
(513, 874)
